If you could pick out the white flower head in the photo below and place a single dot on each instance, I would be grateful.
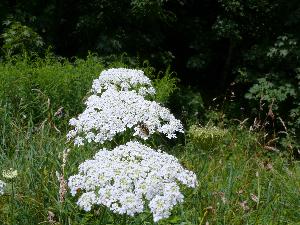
(123, 79)
(116, 111)
(10, 174)
(125, 178)
(2, 186)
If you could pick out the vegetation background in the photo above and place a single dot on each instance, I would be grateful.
(229, 69)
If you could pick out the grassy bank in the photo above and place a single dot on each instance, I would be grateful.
(239, 184)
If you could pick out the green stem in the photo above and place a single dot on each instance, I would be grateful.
(12, 202)
(258, 190)
(124, 220)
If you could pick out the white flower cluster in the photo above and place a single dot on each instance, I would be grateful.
(10, 174)
(114, 110)
(2, 185)
(123, 79)
(131, 176)
(127, 177)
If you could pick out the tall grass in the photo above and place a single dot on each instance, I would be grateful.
(239, 183)
(37, 88)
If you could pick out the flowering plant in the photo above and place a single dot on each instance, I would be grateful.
(123, 79)
(115, 110)
(10, 174)
(123, 178)
(130, 176)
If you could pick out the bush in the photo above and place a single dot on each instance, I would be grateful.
(37, 88)
(20, 39)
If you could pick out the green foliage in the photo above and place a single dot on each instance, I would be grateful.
(38, 88)
(165, 86)
(188, 104)
(20, 39)
(241, 185)
(205, 41)
(275, 82)
(153, 8)
(266, 91)
(226, 28)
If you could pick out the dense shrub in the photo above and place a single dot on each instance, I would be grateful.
(37, 88)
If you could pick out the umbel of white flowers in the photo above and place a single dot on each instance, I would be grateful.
(118, 104)
(130, 175)
(115, 111)
(123, 178)
(122, 79)
(2, 186)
